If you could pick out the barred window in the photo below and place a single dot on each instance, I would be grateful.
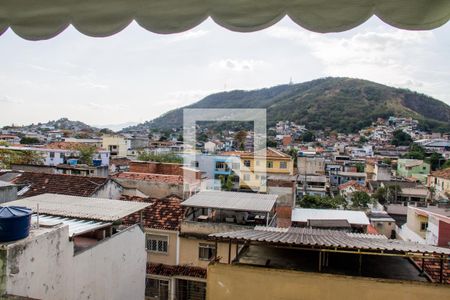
(283, 165)
(206, 251)
(157, 288)
(157, 243)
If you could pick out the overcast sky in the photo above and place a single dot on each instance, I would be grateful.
(137, 75)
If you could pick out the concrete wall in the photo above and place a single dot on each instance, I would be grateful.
(111, 190)
(43, 266)
(113, 269)
(153, 189)
(245, 282)
(310, 165)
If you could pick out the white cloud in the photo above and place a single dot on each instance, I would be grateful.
(237, 65)
(10, 100)
(189, 35)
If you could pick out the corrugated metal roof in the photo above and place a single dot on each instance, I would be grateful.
(327, 238)
(76, 226)
(232, 201)
(353, 217)
(80, 207)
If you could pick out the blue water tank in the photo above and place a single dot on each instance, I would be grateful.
(14, 223)
(72, 161)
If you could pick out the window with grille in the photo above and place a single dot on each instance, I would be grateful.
(192, 290)
(283, 165)
(270, 164)
(157, 243)
(156, 289)
(247, 163)
(246, 177)
(206, 251)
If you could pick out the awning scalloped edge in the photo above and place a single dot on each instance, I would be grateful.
(44, 19)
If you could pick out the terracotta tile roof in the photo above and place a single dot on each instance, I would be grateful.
(166, 270)
(354, 184)
(66, 146)
(442, 173)
(165, 214)
(173, 179)
(433, 269)
(371, 230)
(41, 183)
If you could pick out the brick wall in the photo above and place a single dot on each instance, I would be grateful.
(156, 168)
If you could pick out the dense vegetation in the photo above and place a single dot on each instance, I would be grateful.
(165, 157)
(340, 104)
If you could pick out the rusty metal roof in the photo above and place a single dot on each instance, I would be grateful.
(327, 239)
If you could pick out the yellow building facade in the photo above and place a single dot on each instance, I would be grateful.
(255, 167)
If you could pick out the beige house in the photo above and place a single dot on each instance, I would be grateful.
(440, 181)
(116, 144)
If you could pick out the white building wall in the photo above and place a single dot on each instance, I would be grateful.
(45, 267)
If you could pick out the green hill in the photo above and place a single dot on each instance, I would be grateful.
(342, 104)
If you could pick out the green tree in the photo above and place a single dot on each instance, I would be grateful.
(86, 154)
(435, 160)
(315, 201)
(381, 195)
(227, 184)
(308, 137)
(445, 165)
(8, 157)
(165, 157)
(401, 138)
(393, 191)
(415, 152)
(240, 138)
(360, 200)
(29, 141)
(431, 193)
(360, 167)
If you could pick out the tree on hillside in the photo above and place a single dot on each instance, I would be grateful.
(435, 160)
(308, 137)
(360, 200)
(415, 152)
(360, 167)
(381, 195)
(29, 141)
(401, 138)
(393, 191)
(445, 165)
(240, 138)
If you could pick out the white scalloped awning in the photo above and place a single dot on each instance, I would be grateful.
(44, 19)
